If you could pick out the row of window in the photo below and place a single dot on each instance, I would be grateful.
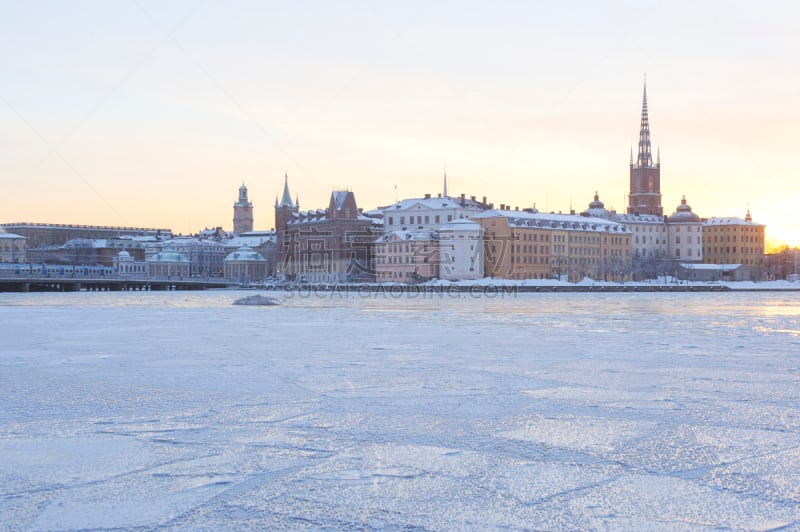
(741, 228)
(530, 249)
(732, 249)
(407, 259)
(531, 260)
(533, 237)
(688, 253)
(420, 219)
(403, 248)
(660, 229)
(644, 240)
(729, 238)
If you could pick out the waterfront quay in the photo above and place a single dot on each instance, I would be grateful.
(104, 283)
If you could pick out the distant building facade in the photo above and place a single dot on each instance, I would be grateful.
(734, 241)
(205, 255)
(406, 257)
(13, 248)
(263, 242)
(126, 265)
(461, 251)
(532, 245)
(245, 265)
(168, 263)
(242, 213)
(428, 213)
(685, 234)
(330, 245)
(54, 235)
(648, 231)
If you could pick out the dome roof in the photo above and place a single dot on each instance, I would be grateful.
(683, 214)
(597, 209)
(124, 255)
(597, 204)
(168, 255)
(245, 254)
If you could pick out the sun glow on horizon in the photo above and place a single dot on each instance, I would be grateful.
(159, 125)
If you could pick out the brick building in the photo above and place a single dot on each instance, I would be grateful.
(330, 245)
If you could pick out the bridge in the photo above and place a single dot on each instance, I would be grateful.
(104, 283)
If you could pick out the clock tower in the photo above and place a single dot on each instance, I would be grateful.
(242, 213)
(645, 191)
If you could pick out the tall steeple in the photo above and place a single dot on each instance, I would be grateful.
(645, 158)
(285, 212)
(444, 192)
(286, 199)
(645, 177)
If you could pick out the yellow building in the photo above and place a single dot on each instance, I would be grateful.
(733, 241)
(532, 245)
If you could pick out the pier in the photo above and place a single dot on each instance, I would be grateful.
(103, 283)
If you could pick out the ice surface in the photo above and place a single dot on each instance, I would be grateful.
(430, 412)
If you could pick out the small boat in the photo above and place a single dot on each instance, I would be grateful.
(257, 299)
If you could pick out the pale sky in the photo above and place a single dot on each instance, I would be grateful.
(152, 114)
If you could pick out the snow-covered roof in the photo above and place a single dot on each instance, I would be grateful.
(408, 236)
(569, 222)
(95, 243)
(683, 214)
(730, 221)
(249, 240)
(245, 254)
(309, 216)
(339, 197)
(374, 213)
(638, 218)
(600, 212)
(260, 232)
(321, 215)
(445, 202)
(168, 255)
(709, 267)
(461, 224)
(192, 242)
(138, 238)
(9, 236)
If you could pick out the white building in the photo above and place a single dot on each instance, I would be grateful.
(205, 255)
(427, 214)
(460, 250)
(246, 265)
(127, 266)
(649, 235)
(685, 232)
(168, 263)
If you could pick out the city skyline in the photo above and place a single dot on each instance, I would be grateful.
(141, 114)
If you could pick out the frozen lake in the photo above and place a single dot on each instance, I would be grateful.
(179, 410)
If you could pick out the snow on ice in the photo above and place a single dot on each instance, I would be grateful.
(512, 411)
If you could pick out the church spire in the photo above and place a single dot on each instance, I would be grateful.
(444, 192)
(645, 158)
(286, 199)
(645, 177)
